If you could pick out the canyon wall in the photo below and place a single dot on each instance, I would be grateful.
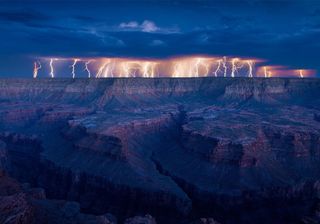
(240, 150)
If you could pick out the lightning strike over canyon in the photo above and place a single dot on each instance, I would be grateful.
(148, 69)
(109, 71)
(218, 68)
(189, 66)
(265, 72)
(100, 70)
(75, 61)
(86, 64)
(51, 67)
(235, 67)
(224, 64)
(250, 68)
(36, 68)
(160, 111)
(301, 73)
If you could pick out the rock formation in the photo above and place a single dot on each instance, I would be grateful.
(237, 149)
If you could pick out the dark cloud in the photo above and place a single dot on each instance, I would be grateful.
(282, 32)
(82, 18)
(23, 16)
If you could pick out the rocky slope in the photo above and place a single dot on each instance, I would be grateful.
(236, 149)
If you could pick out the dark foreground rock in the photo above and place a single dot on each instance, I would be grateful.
(238, 150)
(147, 219)
(21, 205)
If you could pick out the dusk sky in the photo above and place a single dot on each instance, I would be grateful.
(282, 32)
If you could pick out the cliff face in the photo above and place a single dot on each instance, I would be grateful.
(99, 92)
(179, 149)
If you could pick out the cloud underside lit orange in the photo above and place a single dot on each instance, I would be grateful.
(191, 66)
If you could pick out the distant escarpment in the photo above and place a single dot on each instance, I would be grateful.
(101, 92)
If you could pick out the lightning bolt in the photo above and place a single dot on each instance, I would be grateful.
(108, 72)
(87, 68)
(146, 70)
(73, 67)
(104, 69)
(51, 67)
(152, 70)
(218, 68)
(196, 68)
(111, 69)
(125, 69)
(149, 69)
(250, 68)
(200, 62)
(224, 64)
(175, 70)
(301, 73)
(133, 68)
(266, 73)
(98, 75)
(36, 68)
(206, 65)
(234, 68)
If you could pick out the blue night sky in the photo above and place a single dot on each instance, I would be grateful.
(283, 32)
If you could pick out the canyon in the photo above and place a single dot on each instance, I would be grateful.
(160, 150)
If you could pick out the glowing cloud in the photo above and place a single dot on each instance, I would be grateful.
(177, 67)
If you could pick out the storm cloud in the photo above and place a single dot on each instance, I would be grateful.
(282, 32)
